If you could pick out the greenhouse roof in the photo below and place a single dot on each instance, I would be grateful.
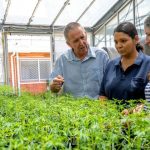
(52, 13)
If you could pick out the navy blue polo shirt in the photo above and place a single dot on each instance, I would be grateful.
(128, 84)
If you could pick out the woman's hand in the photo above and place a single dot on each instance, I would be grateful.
(102, 98)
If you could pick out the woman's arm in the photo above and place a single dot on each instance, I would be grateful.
(102, 98)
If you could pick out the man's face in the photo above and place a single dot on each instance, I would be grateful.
(77, 40)
(147, 32)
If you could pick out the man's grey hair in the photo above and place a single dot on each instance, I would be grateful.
(147, 22)
(70, 26)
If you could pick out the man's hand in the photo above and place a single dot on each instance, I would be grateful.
(56, 84)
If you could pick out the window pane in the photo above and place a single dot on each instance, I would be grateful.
(3, 5)
(96, 11)
(60, 45)
(110, 26)
(72, 11)
(141, 15)
(1, 71)
(47, 11)
(20, 11)
(28, 43)
(29, 70)
(44, 70)
(100, 38)
(1, 61)
(127, 13)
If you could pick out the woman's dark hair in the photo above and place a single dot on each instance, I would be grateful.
(129, 29)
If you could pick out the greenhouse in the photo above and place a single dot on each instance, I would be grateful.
(39, 110)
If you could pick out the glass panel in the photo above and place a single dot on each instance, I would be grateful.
(47, 11)
(98, 9)
(1, 47)
(60, 45)
(127, 13)
(44, 69)
(29, 70)
(110, 26)
(89, 38)
(3, 5)
(1, 61)
(72, 11)
(100, 38)
(28, 43)
(1, 71)
(20, 11)
(141, 15)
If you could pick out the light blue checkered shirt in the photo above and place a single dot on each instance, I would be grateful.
(81, 78)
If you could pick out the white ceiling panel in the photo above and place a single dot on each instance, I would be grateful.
(53, 12)
(3, 5)
(72, 11)
(47, 11)
(20, 11)
(97, 11)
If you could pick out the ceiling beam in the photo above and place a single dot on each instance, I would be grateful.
(26, 29)
(34, 29)
(31, 18)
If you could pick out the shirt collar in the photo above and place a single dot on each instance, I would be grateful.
(71, 56)
(138, 60)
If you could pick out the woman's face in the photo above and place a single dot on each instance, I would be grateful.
(147, 32)
(124, 44)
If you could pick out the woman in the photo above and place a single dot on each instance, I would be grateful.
(126, 76)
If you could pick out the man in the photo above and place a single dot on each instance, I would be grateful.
(80, 69)
(147, 32)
